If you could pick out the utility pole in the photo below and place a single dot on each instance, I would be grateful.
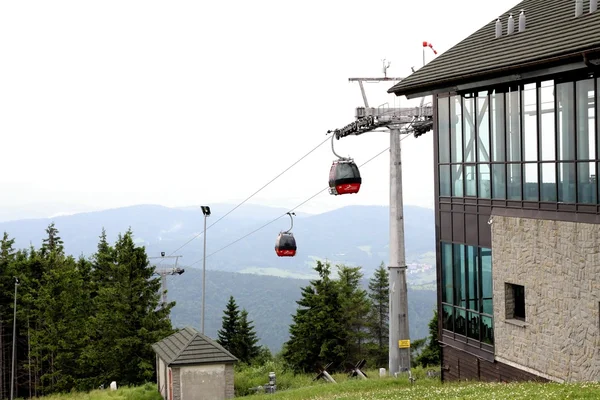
(399, 121)
(399, 344)
(163, 272)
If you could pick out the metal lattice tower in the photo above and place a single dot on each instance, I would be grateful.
(163, 272)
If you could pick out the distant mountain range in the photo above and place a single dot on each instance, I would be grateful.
(354, 235)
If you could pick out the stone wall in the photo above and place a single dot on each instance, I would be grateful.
(558, 263)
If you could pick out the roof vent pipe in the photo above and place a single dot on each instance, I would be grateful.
(522, 21)
(593, 6)
(511, 24)
(578, 8)
(498, 28)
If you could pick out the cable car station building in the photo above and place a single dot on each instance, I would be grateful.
(517, 156)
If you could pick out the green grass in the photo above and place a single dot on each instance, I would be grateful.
(145, 392)
(391, 388)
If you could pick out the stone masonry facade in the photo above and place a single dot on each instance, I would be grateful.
(558, 263)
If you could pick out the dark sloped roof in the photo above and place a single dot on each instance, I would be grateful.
(552, 34)
(189, 346)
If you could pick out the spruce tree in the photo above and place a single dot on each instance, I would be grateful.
(356, 306)
(227, 335)
(317, 334)
(246, 339)
(379, 317)
(127, 319)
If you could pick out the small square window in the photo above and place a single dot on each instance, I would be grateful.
(515, 301)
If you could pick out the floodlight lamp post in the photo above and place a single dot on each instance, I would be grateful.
(206, 212)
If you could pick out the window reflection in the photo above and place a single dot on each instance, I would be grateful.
(485, 190)
(513, 190)
(498, 127)
(457, 180)
(586, 143)
(566, 120)
(445, 180)
(467, 304)
(513, 125)
(469, 129)
(499, 181)
(483, 130)
(530, 188)
(470, 180)
(444, 129)
(547, 131)
(566, 186)
(548, 186)
(586, 183)
(530, 147)
(456, 129)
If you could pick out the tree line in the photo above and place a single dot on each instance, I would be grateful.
(339, 322)
(80, 322)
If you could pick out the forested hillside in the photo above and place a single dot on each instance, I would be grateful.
(270, 301)
(79, 322)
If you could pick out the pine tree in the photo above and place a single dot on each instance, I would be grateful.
(246, 339)
(127, 319)
(379, 317)
(53, 242)
(227, 335)
(355, 308)
(317, 334)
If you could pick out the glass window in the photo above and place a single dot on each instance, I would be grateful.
(566, 182)
(470, 180)
(498, 127)
(448, 287)
(548, 186)
(472, 281)
(483, 129)
(547, 131)
(469, 128)
(487, 330)
(498, 181)
(487, 288)
(457, 180)
(530, 188)
(586, 143)
(473, 325)
(513, 125)
(566, 120)
(586, 182)
(444, 129)
(448, 317)
(530, 148)
(445, 180)
(456, 145)
(459, 275)
(485, 190)
(513, 188)
(460, 323)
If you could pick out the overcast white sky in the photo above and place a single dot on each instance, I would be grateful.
(113, 103)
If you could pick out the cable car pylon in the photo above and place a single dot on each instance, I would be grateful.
(285, 245)
(344, 176)
(415, 120)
